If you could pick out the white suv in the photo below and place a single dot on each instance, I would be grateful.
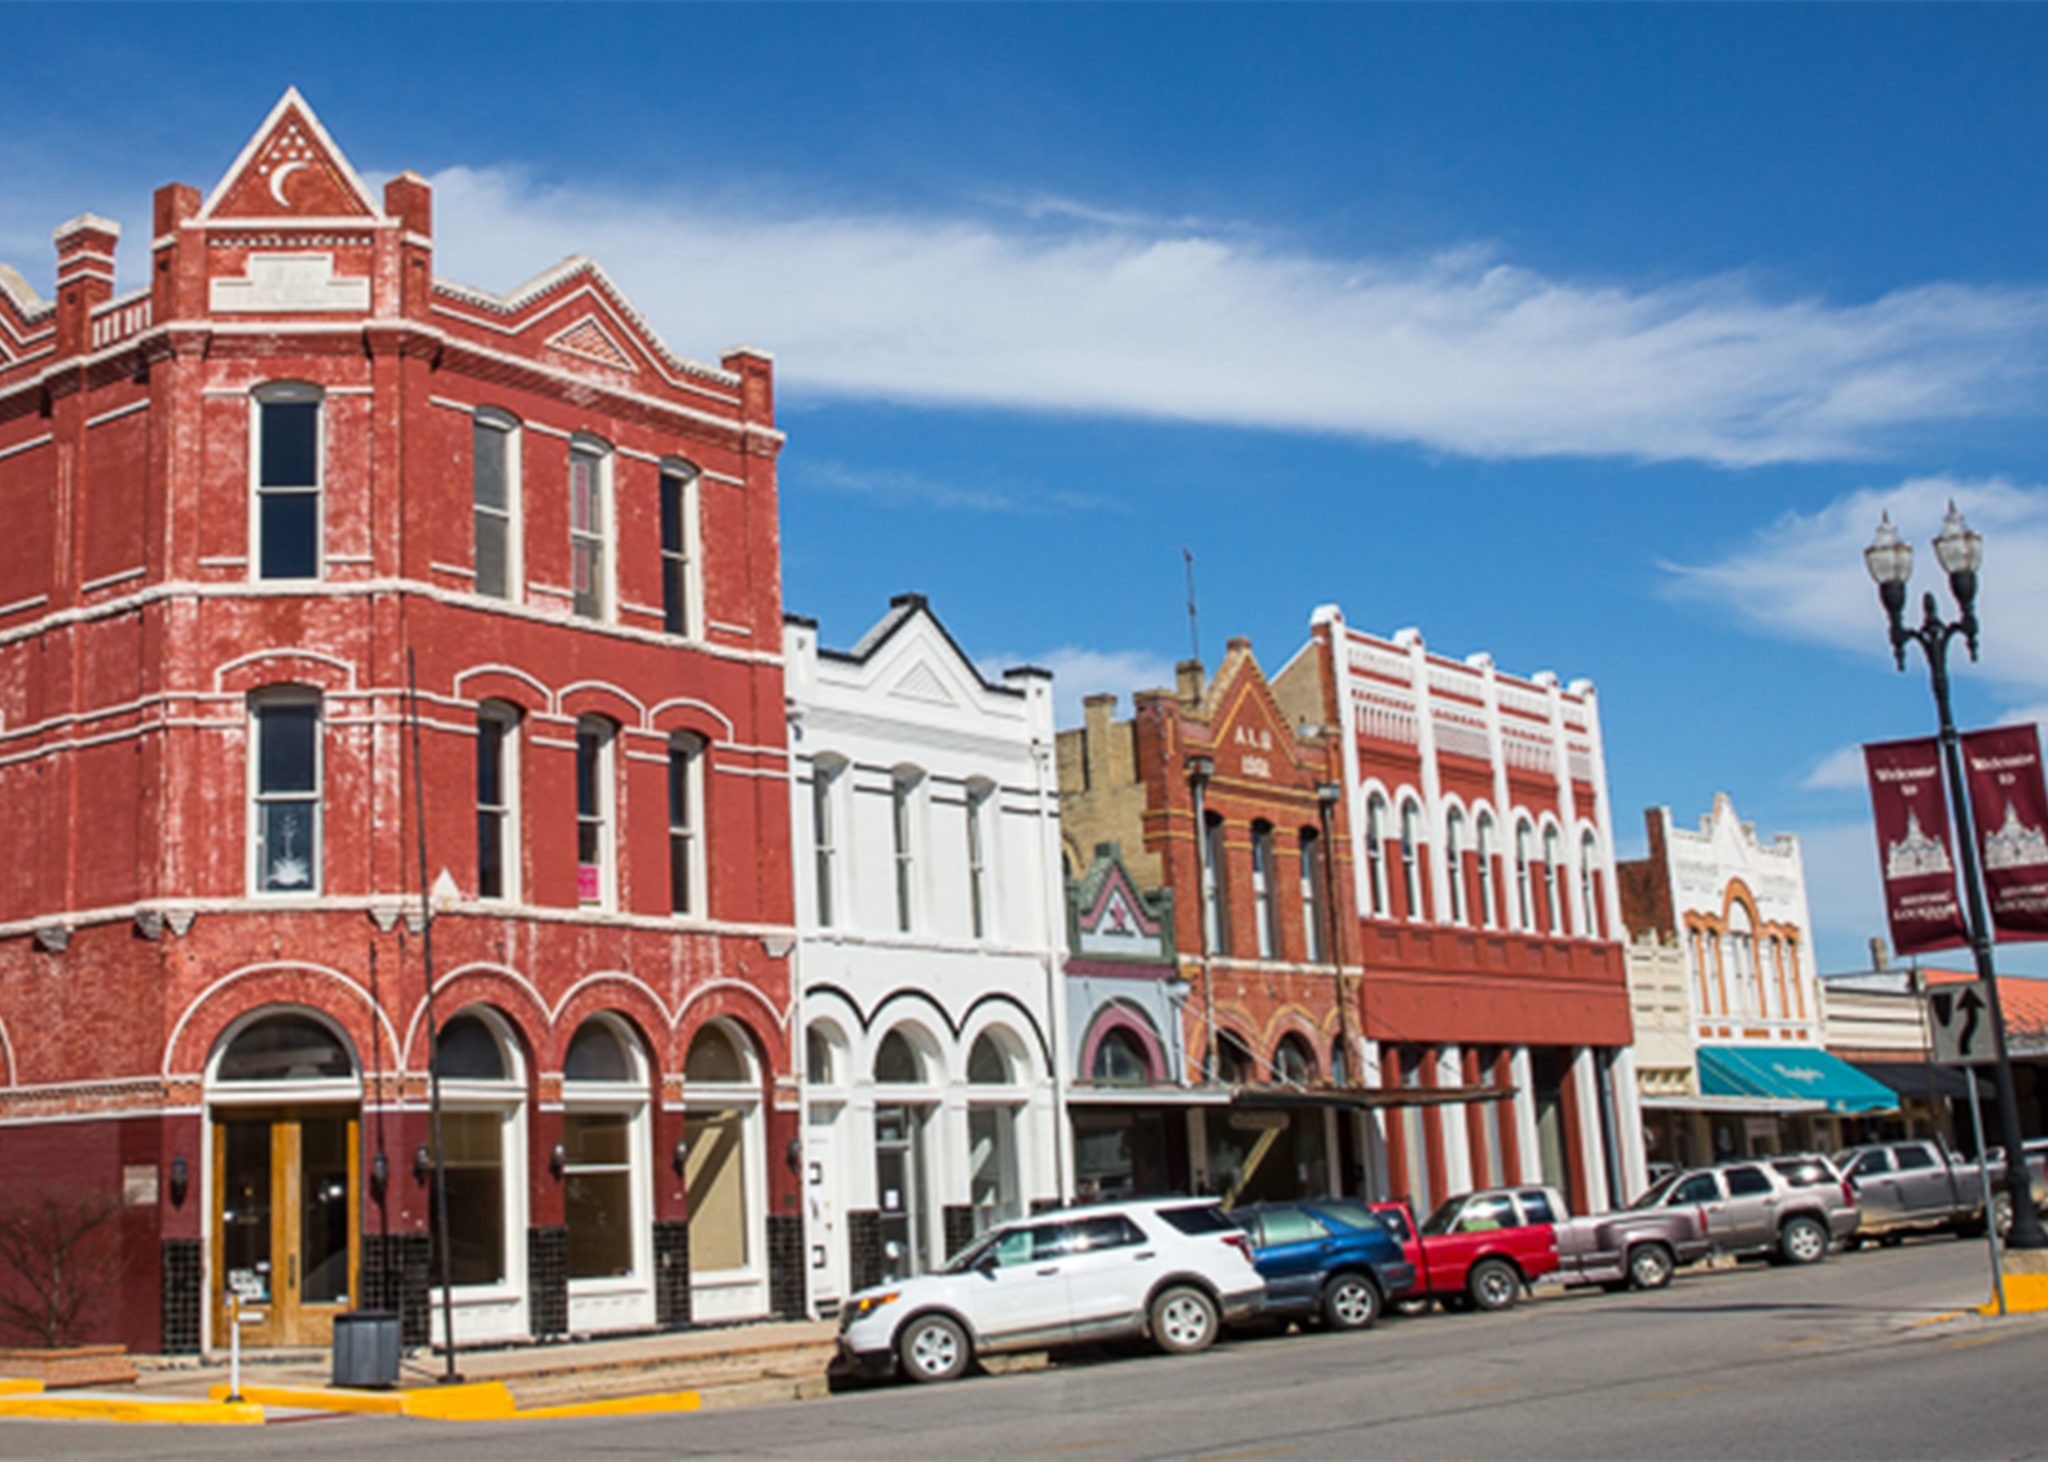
(1171, 1268)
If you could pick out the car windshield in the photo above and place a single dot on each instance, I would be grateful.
(972, 1255)
(1446, 1215)
(1657, 1191)
(1350, 1213)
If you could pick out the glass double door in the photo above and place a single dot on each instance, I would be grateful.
(285, 1224)
(900, 1191)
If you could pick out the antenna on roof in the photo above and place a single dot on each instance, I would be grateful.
(1194, 637)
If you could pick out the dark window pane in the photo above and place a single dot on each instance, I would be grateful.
(285, 1048)
(671, 514)
(1747, 1182)
(323, 1211)
(678, 874)
(288, 735)
(1206, 1218)
(490, 761)
(489, 471)
(490, 555)
(675, 616)
(245, 1210)
(597, 1137)
(598, 1210)
(490, 855)
(679, 788)
(289, 523)
(596, 1055)
(589, 752)
(474, 1144)
(468, 1051)
(291, 444)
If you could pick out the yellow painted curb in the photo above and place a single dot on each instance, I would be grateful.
(482, 1401)
(118, 1408)
(672, 1401)
(320, 1398)
(21, 1386)
(2025, 1294)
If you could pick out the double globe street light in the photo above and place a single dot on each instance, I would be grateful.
(1961, 551)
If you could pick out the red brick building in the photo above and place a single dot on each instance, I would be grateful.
(1489, 926)
(240, 504)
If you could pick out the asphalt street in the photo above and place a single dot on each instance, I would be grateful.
(1861, 1356)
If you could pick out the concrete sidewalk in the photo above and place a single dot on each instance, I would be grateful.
(728, 1366)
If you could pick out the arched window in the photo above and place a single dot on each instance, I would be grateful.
(1234, 1064)
(716, 1057)
(1742, 964)
(1553, 880)
(289, 456)
(686, 860)
(285, 1048)
(1265, 916)
(468, 1050)
(1525, 899)
(1489, 914)
(285, 791)
(988, 1064)
(995, 1102)
(1293, 1063)
(494, 497)
(821, 1057)
(723, 1177)
(497, 801)
(596, 864)
(483, 1117)
(590, 527)
(1589, 886)
(679, 590)
(605, 1171)
(1411, 866)
(897, 1062)
(1312, 932)
(1120, 1060)
(1376, 853)
(1215, 886)
(1454, 865)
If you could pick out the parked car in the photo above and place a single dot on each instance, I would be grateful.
(1788, 1208)
(1906, 1186)
(1333, 1259)
(1171, 1269)
(1632, 1249)
(1475, 1251)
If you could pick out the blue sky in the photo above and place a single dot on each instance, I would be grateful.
(1595, 337)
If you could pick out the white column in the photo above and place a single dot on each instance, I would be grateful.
(1450, 1071)
(1373, 1124)
(1593, 1152)
(1503, 878)
(1628, 1120)
(1522, 1073)
(1432, 784)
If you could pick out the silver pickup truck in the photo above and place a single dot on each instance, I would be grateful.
(1632, 1249)
(1904, 1187)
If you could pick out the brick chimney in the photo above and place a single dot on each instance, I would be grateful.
(85, 277)
(1187, 677)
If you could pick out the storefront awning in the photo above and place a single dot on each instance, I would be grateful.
(1920, 1081)
(1802, 1073)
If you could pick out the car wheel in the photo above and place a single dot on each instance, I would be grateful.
(1493, 1284)
(1802, 1241)
(1649, 1266)
(1183, 1320)
(1351, 1302)
(933, 1348)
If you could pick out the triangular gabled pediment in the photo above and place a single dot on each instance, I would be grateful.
(290, 169)
(922, 683)
(590, 340)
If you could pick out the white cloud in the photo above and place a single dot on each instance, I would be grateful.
(1803, 577)
(1079, 672)
(1838, 771)
(1062, 307)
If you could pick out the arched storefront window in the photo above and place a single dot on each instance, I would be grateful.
(996, 1070)
(1293, 1064)
(724, 1174)
(1234, 1063)
(606, 1178)
(483, 1131)
(897, 1062)
(1120, 1060)
(907, 1072)
(285, 1048)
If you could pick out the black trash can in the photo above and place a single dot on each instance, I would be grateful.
(366, 1348)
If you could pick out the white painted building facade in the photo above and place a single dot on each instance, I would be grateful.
(931, 944)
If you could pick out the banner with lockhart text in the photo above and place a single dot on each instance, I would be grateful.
(1910, 807)
(2003, 769)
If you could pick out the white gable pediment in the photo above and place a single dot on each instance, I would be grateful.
(922, 683)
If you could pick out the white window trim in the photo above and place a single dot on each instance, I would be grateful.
(1489, 893)
(497, 419)
(1265, 915)
(692, 748)
(607, 815)
(744, 1098)
(512, 854)
(828, 886)
(1411, 860)
(981, 902)
(691, 513)
(607, 535)
(1376, 853)
(284, 695)
(287, 391)
(1454, 865)
(907, 788)
(630, 1098)
(1309, 848)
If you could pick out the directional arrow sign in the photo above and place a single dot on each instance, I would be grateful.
(1959, 1020)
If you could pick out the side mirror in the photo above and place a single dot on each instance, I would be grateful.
(986, 1266)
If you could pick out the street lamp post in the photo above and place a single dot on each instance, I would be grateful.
(1890, 561)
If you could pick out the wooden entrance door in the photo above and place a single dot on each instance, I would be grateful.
(286, 1230)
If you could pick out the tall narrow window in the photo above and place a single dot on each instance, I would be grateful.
(1376, 852)
(686, 865)
(1524, 899)
(1589, 886)
(902, 809)
(1215, 886)
(1311, 895)
(978, 798)
(286, 793)
(1489, 908)
(1265, 924)
(494, 470)
(1411, 868)
(678, 560)
(825, 836)
(1553, 881)
(497, 770)
(1454, 865)
(589, 531)
(594, 871)
(288, 457)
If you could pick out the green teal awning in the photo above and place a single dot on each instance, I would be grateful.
(1806, 1072)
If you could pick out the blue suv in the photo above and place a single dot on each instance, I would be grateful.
(1333, 1258)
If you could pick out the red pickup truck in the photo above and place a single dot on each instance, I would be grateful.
(1473, 1253)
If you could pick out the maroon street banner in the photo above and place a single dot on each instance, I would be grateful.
(2003, 769)
(1910, 807)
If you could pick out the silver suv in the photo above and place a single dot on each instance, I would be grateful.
(1790, 1208)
